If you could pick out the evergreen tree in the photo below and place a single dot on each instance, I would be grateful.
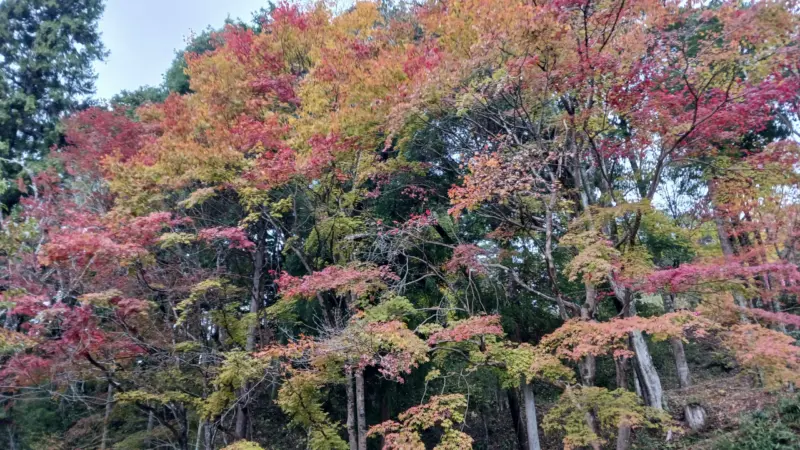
(47, 49)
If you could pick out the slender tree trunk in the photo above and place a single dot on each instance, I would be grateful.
(12, 443)
(588, 366)
(207, 439)
(516, 420)
(729, 251)
(183, 438)
(252, 328)
(624, 428)
(200, 424)
(256, 289)
(107, 415)
(620, 366)
(150, 421)
(678, 351)
(531, 424)
(646, 373)
(484, 413)
(388, 393)
(360, 411)
(352, 434)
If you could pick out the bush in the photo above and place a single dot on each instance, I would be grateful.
(762, 431)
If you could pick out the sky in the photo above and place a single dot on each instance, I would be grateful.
(143, 36)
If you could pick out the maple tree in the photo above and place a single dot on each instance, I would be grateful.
(383, 225)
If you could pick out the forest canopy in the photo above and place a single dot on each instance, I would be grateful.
(453, 224)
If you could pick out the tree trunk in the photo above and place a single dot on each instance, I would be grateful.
(12, 444)
(516, 420)
(624, 428)
(360, 411)
(531, 425)
(250, 343)
(183, 441)
(588, 365)
(624, 436)
(728, 251)
(352, 434)
(107, 416)
(150, 421)
(199, 435)
(620, 366)
(207, 439)
(684, 380)
(643, 368)
(240, 429)
(678, 351)
(649, 381)
(256, 290)
(388, 393)
(588, 368)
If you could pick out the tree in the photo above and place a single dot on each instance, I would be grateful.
(175, 78)
(360, 225)
(48, 48)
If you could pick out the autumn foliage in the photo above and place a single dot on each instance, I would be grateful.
(442, 201)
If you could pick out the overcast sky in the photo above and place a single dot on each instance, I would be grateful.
(143, 35)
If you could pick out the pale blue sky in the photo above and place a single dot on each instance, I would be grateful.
(144, 34)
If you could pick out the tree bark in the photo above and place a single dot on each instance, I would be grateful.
(643, 367)
(531, 424)
(728, 251)
(360, 411)
(150, 421)
(256, 289)
(12, 444)
(678, 351)
(624, 428)
(649, 381)
(250, 343)
(516, 420)
(200, 424)
(183, 440)
(624, 436)
(352, 434)
(240, 429)
(107, 416)
(620, 366)
(695, 416)
(207, 440)
(588, 366)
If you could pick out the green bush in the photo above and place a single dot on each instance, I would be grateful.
(762, 431)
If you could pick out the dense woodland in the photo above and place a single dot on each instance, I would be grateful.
(490, 224)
